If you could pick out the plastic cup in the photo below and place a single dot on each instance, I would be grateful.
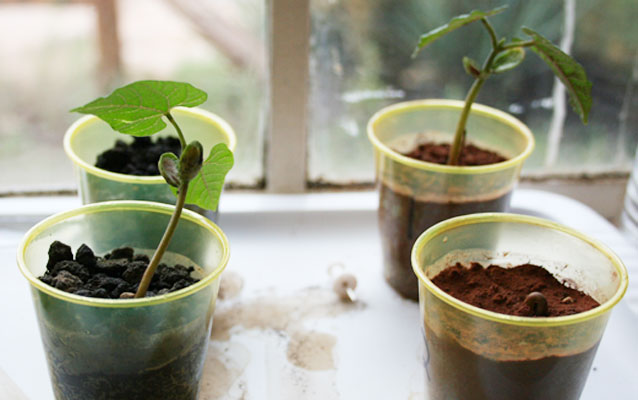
(89, 136)
(415, 195)
(118, 349)
(477, 354)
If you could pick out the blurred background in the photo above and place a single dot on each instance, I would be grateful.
(361, 62)
(55, 55)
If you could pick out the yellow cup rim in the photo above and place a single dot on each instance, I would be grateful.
(442, 227)
(125, 205)
(76, 129)
(477, 109)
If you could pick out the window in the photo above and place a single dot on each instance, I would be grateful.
(52, 61)
(360, 62)
(357, 61)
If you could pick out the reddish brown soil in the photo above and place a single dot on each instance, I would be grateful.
(504, 290)
(454, 372)
(470, 155)
(402, 218)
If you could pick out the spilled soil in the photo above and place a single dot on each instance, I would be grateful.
(312, 350)
(283, 314)
(311, 372)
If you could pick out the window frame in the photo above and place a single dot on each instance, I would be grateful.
(285, 145)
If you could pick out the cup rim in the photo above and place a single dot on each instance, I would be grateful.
(76, 128)
(124, 205)
(442, 227)
(477, 109)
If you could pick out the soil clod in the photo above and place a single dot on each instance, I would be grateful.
(344, 286)
(58, 251)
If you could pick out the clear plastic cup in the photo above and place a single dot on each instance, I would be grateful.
(415, 195)
(118, 349)
(89, 136)
(477, 354)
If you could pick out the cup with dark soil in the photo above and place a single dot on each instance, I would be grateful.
(513, 307)
(417, 191)
(114, 166)
(118, 347)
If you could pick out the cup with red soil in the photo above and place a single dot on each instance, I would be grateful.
(416, 188)
(113, 166)
(99, 342)
(513, 307)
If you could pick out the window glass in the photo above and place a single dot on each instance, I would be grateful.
(51, 62)
(360, 62)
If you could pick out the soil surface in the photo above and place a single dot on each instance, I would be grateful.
(108, 277)
(139, 157)
(504, 290)
(470, 155)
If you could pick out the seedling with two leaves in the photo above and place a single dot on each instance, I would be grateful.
(504, 56)
(138, 109)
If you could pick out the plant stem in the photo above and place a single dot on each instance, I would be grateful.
(182, 141)
(459, 135)
(163, 245)
(491, 31)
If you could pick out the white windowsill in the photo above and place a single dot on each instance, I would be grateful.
(282, 248)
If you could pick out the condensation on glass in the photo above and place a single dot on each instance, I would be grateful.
(58, 55)
(360, 62)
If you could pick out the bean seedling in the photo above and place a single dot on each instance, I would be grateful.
(504, 56)
(137, 109)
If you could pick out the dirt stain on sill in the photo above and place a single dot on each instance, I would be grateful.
(308, 351)
(312, 350)
(283, 314)
(230, 285)
(223, 366)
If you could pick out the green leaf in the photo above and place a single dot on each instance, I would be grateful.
(568, 70)
(507, 60)
(169, 168)
(471, 67)
(205, 189)
(455, 23)
(137, 109)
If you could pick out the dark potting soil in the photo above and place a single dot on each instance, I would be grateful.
(108, 277)
(177, 380)
(402, 218)
(470, 155)
(504, 290)
(139, 157)
(454, 372)
(480, 378)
